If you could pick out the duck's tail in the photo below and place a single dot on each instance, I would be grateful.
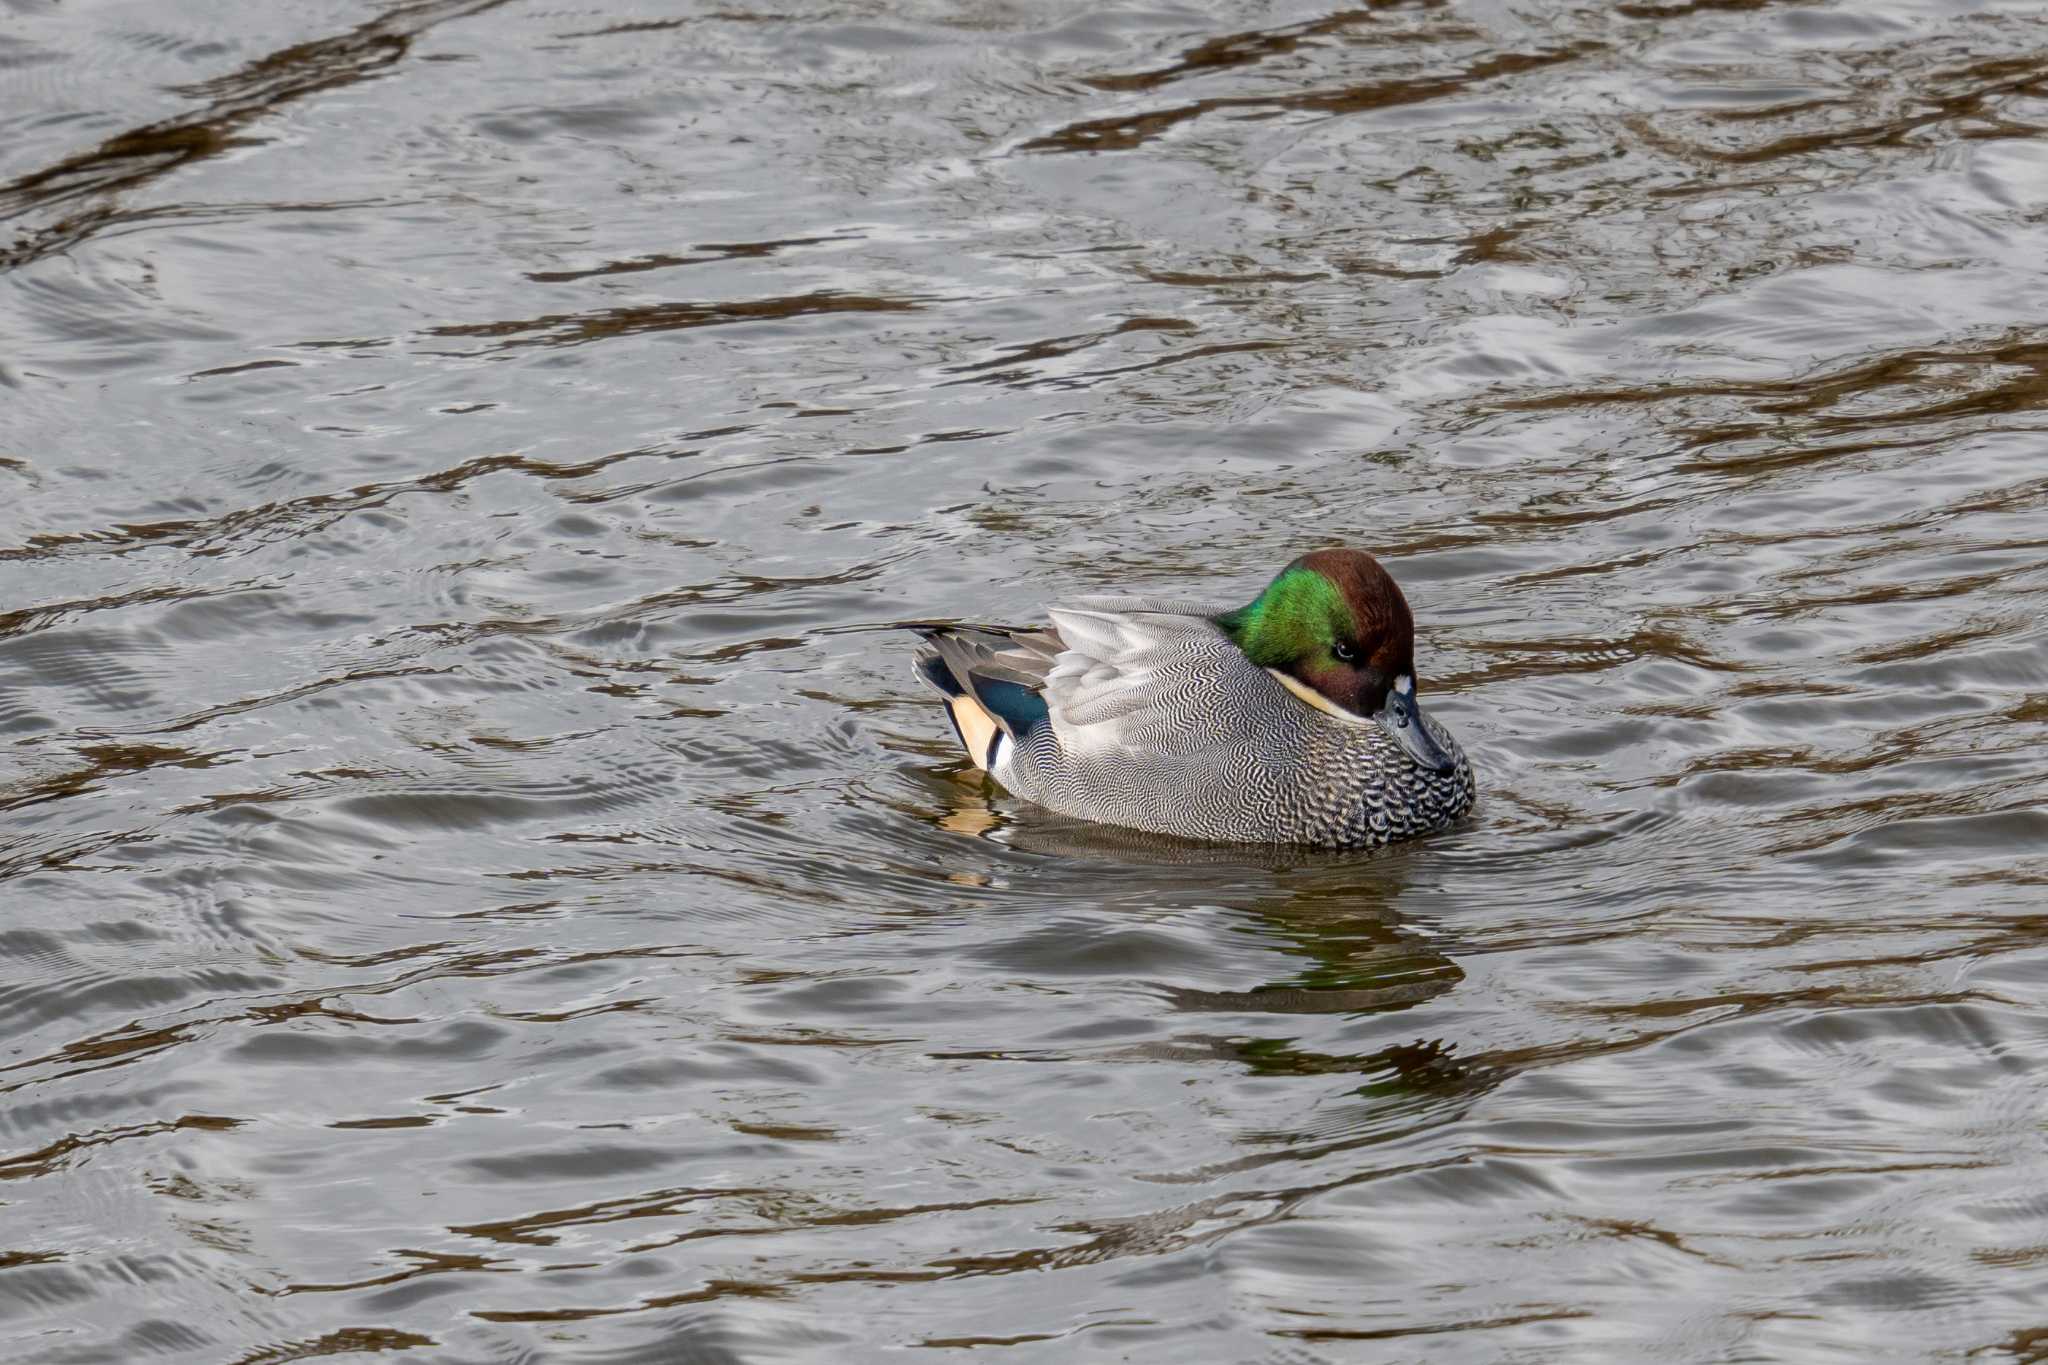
(990, 679)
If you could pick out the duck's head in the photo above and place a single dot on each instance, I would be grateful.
(1335, 629)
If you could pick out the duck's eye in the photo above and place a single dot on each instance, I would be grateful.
(1344, 654)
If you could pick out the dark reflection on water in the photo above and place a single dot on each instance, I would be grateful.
(481, 884)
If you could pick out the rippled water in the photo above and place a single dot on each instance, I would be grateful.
(481, 884)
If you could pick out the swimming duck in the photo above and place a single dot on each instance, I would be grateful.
(1290, 720)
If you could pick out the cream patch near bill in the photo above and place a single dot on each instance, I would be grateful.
(1317, 699)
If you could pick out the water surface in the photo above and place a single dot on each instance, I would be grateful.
(478, 883)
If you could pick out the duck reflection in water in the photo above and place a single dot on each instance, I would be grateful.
(1333, 911)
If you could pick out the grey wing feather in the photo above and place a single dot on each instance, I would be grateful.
(1021, 657)
(1150, 674)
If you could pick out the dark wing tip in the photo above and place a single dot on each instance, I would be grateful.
(931, 668)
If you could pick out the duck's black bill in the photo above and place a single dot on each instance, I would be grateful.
(1401, 717)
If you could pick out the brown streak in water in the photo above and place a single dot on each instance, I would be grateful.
(1052, 348)
(1942, 643)
(663, 25)
(1574, 517)
(345, 1341)
(1636, 1230)
(633, 26)
(537, 1229)
(316, 1007)
(11, 1259)
(63, 855)
(1901, 746)
(1630, 563)
(1855, 819)
(108, 223)
(194, 719)
(45, 1160)
(1777, 111)
(29, 620)
(1547, 658)
(1026, 1338)
(1639, 11)
(294, 516)
(1161, 362)
(792, 1221)
(564, 1016)
(244, 368)
(1935, 591)
(1122, 132)
(1193, 279)
(104, 760)
(120, 1047)
(1891, 132)
(1024, 379)
(1312, 999)
(1542, 1314)
(1229, 51)
(134, 158)
(2020, 386)
(2023, 1346)
(1811, 393)
(710, 1293)
(714, 251)
(533, 1229)
(1492, 245)
(130, 1043)
(804, 1037)
(575, 329)
(788, 1132)
(1758, 468)
(430, 1263)
(2008, 500)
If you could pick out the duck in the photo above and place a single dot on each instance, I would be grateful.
(1293, 719)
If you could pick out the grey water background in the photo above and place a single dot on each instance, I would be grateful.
(478, 883)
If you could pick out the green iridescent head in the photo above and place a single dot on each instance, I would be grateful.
(1334, 624)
